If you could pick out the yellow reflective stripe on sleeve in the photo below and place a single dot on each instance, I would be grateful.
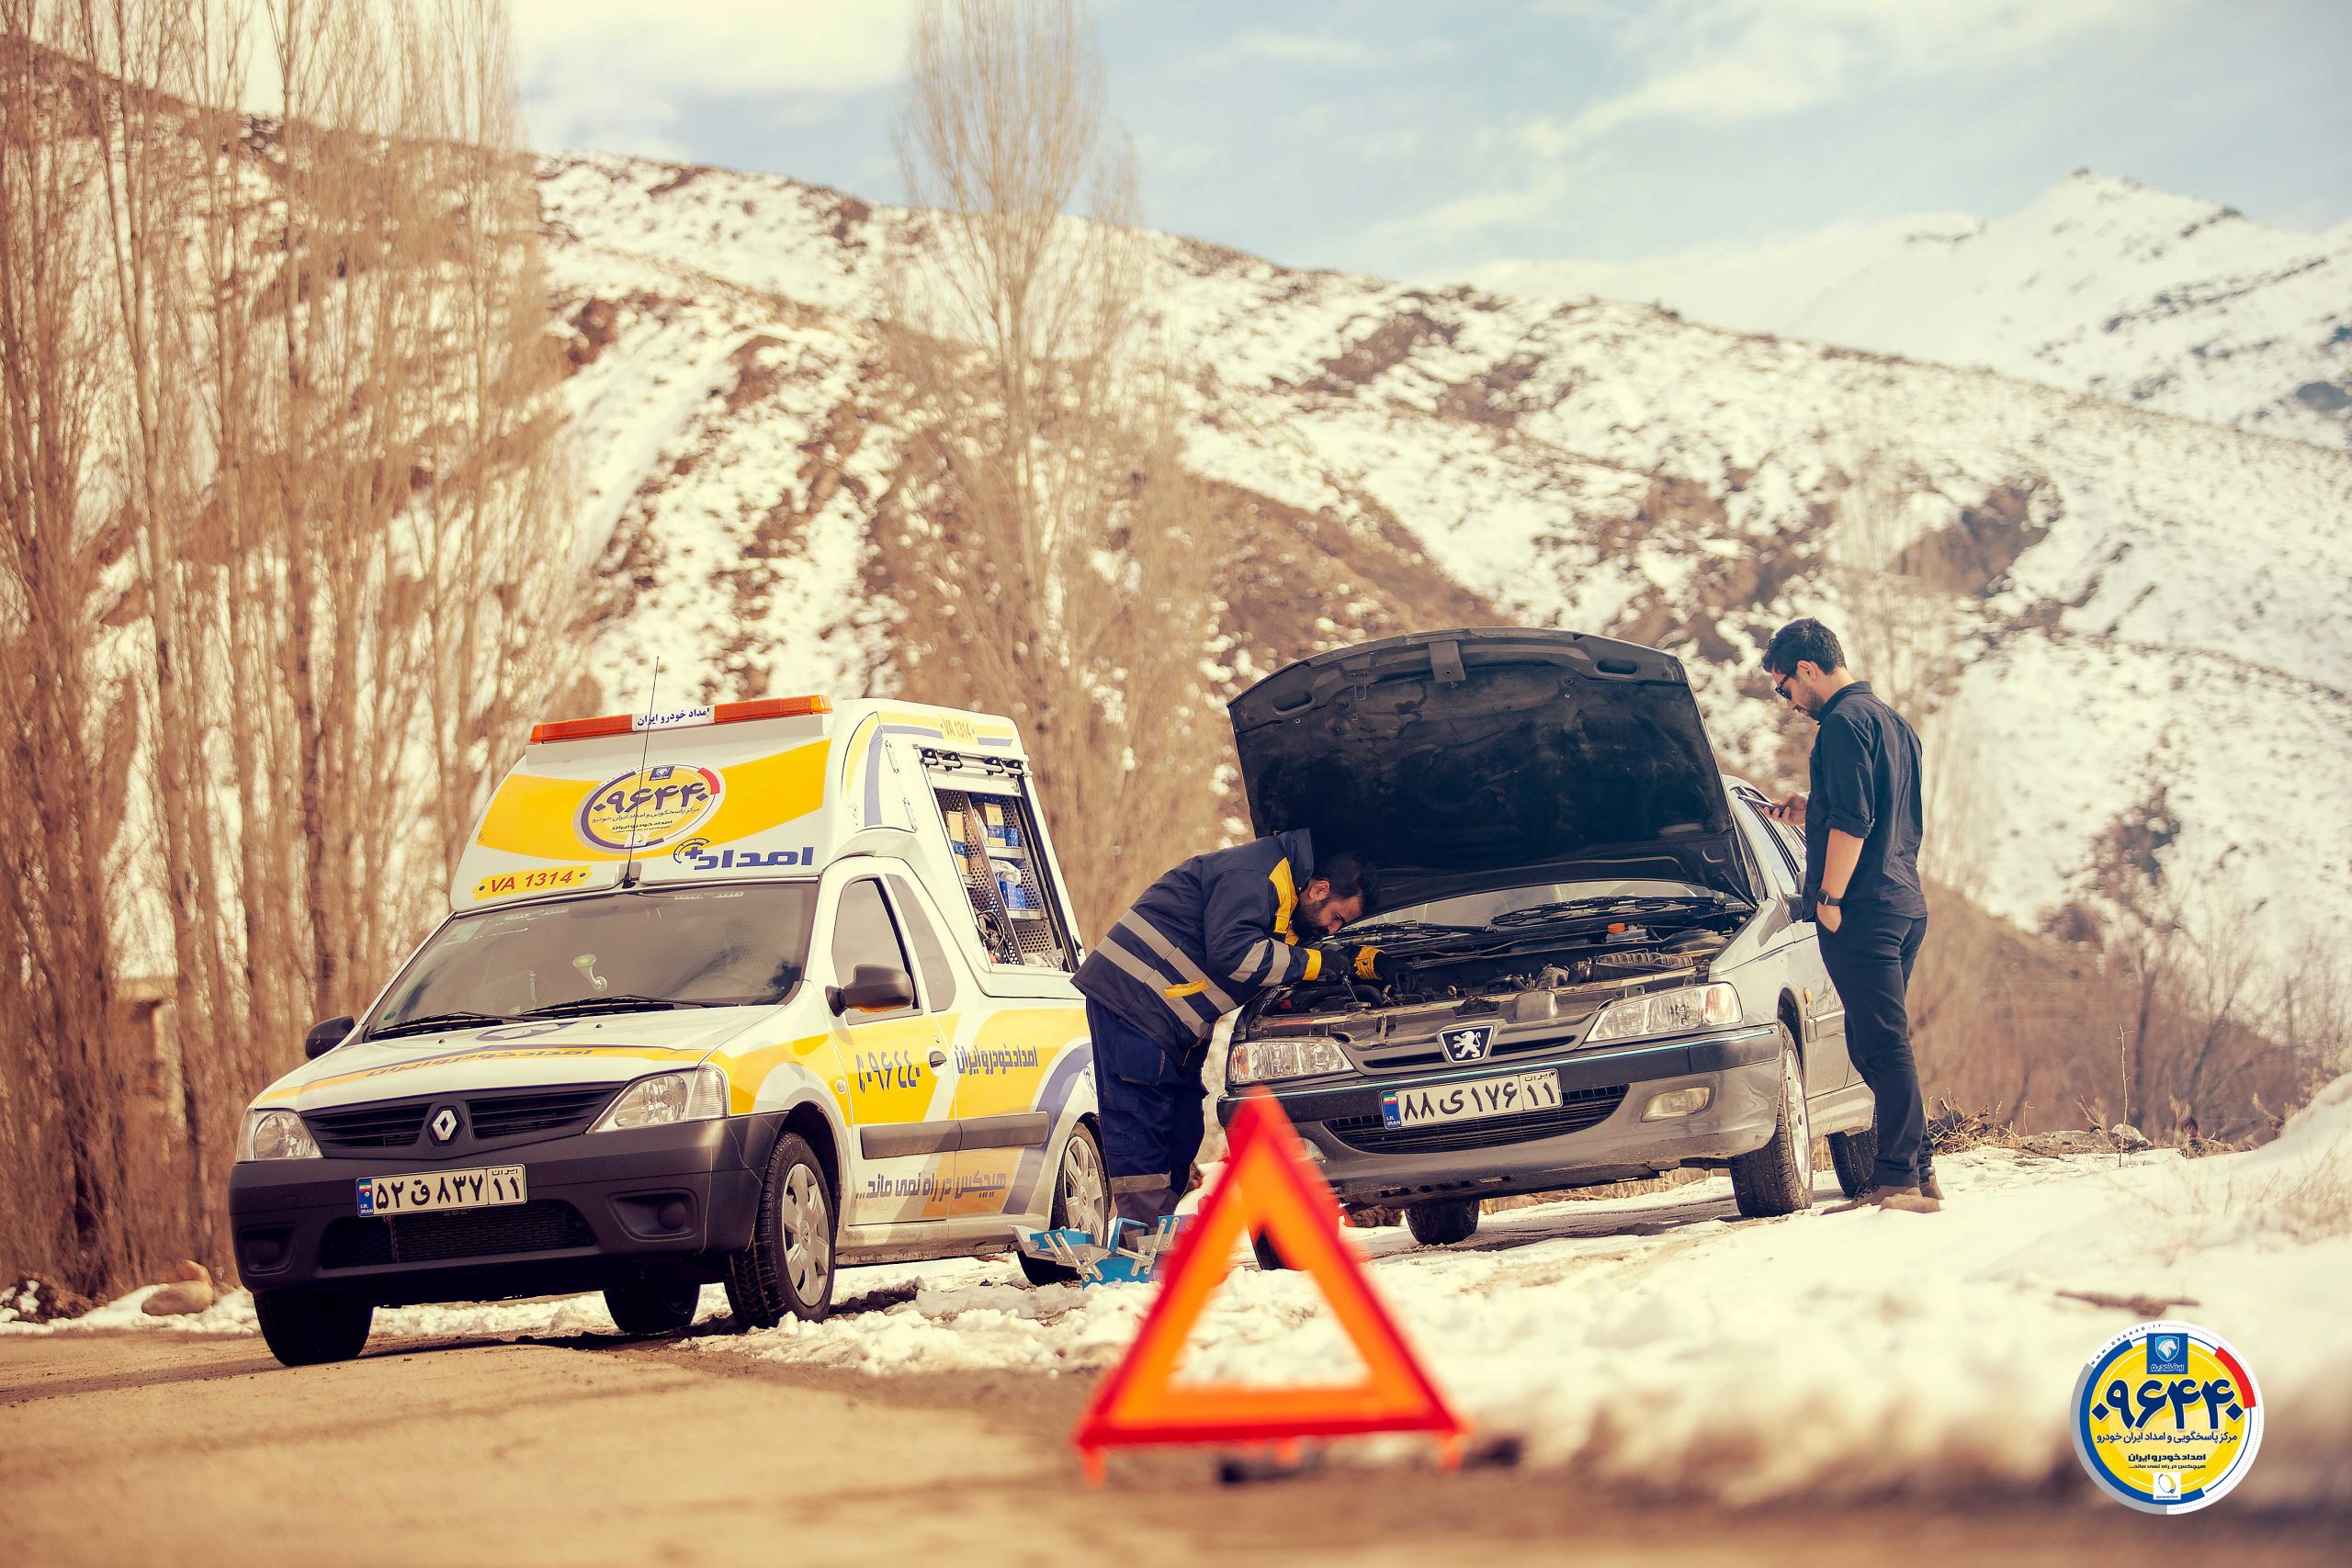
(1189, 988)
(1285, 898)
(1367, 962)
(1314, 964)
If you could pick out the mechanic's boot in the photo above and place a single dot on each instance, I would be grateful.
(1929, 1187)
(1909, 1199)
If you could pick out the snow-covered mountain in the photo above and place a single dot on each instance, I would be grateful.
(2144, 616)
(2100, 285)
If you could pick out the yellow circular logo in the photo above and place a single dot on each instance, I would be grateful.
(647, 807)
(2166, 1418)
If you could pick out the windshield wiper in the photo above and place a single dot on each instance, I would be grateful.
(621, 1003)
(434, 1020)
(1653, 905)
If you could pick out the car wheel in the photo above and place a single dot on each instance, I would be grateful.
(1082, 1202)
(305, 1328)
(1270, 1257)
(1443, 1223)
(658, 1307)
(1854, 1157)
(788, 1267)
(1778, 1178)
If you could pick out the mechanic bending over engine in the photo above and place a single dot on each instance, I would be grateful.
(1862, 824)
(1201, 941)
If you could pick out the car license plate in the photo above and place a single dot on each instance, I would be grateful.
(1471, 1100)
(424, 1192)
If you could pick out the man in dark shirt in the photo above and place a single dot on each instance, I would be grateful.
(1861, 828)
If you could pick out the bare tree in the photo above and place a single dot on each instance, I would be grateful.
(1052, 554)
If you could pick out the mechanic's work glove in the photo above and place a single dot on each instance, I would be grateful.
(1363, 962)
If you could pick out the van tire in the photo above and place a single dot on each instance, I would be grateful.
(656, 1306)
(1854, 1157)
(1443, 1223)
(309, 1329)
(1778, 1178)
(1078, 1171)
(788, 1272)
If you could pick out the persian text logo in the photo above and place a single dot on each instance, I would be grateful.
(2166, 1418)
(645, 808)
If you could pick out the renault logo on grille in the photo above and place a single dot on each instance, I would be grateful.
(444, 1125)
(1468, 1043)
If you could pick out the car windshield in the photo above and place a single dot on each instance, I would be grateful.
(1476, 910)
(685, 947)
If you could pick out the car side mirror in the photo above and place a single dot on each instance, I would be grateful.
(325, 1037)
(875, 987)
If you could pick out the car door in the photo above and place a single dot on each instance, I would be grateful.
(901, 1076)
(1826, 1064)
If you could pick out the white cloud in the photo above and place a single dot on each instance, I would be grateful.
(1716, 62)
(618, 74)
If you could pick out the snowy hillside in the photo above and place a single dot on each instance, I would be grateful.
(2100, 285)
(2136, 608)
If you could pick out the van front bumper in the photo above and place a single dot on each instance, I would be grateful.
(604, 1209)
(1598, 1134)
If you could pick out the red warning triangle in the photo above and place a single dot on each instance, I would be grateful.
(1269, 1188)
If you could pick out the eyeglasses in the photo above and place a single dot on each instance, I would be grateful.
(1781, 688)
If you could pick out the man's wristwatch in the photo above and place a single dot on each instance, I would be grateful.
(1828, 900)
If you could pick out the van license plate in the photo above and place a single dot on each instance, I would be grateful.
(426, 1192)
(1471, 1101)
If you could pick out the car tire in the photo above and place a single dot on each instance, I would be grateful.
(1443, 1223)
(308, 1328)
(660, 1306)
(1778, 1178)
(788, 1272)
(1854, 1157)
(1270, 1257)
(1081, 1200)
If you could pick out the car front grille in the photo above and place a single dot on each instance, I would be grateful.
(537, 1111)
(364, 1127)
(541, 1226)
(1579, 1108)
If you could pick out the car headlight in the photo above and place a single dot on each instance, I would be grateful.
(275, 1134)
(1666, 1012)
(693, 1096)
(1263, 1061)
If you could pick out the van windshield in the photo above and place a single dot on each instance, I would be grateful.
(688, 947)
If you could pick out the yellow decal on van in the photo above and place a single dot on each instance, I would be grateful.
(1004, 1068)
(567, 820)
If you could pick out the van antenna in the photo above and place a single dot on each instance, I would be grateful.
(645, 754)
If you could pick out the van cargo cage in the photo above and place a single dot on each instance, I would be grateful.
(993, 837)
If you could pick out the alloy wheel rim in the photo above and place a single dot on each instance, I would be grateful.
(1800, 1123)
(1082, 1187)
(807, 1235)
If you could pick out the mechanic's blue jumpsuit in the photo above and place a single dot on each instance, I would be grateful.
(1201, 941)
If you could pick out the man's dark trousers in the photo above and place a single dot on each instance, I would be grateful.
(1869, 957)
(1151, 1116)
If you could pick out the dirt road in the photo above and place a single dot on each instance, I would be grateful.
(151, 1448)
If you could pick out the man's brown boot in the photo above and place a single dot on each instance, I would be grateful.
(1930, 1188)
(1909, 1199)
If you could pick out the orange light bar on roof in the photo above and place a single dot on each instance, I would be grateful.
(677, 718)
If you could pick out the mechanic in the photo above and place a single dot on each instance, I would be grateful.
(1201, 941)
(1862, 824)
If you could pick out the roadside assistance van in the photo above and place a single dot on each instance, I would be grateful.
(739, 994)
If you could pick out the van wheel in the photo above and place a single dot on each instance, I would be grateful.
(1082, 1202)
(305, 1328)
(788, 1268)
(1778, 1178)
(1854, 1157)
(1443, 1223)
(660, 1307)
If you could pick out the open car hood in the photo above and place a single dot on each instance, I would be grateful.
(1462, 760)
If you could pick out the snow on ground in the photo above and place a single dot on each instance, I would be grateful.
(1659, 1342)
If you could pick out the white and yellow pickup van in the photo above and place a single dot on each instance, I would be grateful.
(735, 994)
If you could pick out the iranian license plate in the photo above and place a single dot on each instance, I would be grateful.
(426, 1192)
(1471, 1100)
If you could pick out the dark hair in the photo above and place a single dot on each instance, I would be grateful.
(1800, 641)
(1350, 874)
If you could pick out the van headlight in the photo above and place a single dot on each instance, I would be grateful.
(1666, 1012)
(275, 1134)
(696, 1095)
(1263, 1061)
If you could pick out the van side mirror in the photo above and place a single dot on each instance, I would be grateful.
(875, 987)
(325, 1037)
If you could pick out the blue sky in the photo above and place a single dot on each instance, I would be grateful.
(1421, 141)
